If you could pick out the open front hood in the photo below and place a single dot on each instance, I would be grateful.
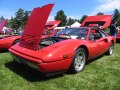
(2, 24)
(99, 20)
(35, 26)
(52, 24)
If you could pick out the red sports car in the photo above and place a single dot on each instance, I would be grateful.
(7, 41)
(69, 49)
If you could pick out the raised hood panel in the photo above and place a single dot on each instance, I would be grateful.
(35, 26)
(2, 24)
(99, 20)
(52, 24)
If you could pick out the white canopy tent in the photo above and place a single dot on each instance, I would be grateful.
(76, 24)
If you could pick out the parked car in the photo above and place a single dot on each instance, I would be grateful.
(69, 49)
(7, 41)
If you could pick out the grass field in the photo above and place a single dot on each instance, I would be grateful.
(101, 74)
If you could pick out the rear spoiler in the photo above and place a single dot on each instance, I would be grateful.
(100, 20)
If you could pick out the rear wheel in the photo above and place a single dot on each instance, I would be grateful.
(79, 60)
(15, 42)
(111, 48)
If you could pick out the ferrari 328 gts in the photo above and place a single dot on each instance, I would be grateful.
(68, 49)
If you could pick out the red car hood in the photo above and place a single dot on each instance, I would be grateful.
(35, 26)
(99, 20)
(52, 24)
(2, 24)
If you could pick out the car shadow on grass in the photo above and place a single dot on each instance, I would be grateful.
(97, 58)
(3, 50)
(34, 76)
(29, 74)
(118, 41)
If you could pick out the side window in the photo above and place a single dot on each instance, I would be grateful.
(91, 36)
(102, 34)
(97, 35)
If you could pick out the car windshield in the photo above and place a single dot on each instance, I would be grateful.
(74, 33)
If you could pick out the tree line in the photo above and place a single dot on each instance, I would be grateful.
(21, 17)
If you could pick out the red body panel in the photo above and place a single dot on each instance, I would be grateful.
(99, 18)
(6, 43)
(2, 24)
(58, 56)
(51, 66)
(52, 24)
(118, 35)
(49, 28)
(33, 30)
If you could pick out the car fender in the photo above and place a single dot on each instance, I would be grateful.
(62, 50)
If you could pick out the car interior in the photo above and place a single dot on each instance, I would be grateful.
(95, 35)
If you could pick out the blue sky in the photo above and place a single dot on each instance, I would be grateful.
(72, 8)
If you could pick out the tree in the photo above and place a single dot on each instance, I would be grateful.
(70, 22)
(13, 23)
(77, 20)
(25, 18)
(100, 13)
(20, 14)
(61, 16)
(83, 18)
(118, 22)
(116, 16)
(20, 19)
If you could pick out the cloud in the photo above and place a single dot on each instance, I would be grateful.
(50, 18)
(106, 6)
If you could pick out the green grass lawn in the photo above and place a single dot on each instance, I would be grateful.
(101, 74)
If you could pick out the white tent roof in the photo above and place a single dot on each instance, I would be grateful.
(59, 28)
(76, 24)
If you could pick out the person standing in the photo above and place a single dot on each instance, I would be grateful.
(112, 27)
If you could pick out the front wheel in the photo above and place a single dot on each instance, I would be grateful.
(79, 60)
(15, 42)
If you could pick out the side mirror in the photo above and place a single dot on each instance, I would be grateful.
(106, 40)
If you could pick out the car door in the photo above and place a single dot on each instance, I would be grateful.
(94, 46)
(104, 42)
(99, 45)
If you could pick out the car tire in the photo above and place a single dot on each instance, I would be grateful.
(110, 50)
(15, 42)
(78, 61)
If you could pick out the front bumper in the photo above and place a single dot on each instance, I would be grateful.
(37, 64)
